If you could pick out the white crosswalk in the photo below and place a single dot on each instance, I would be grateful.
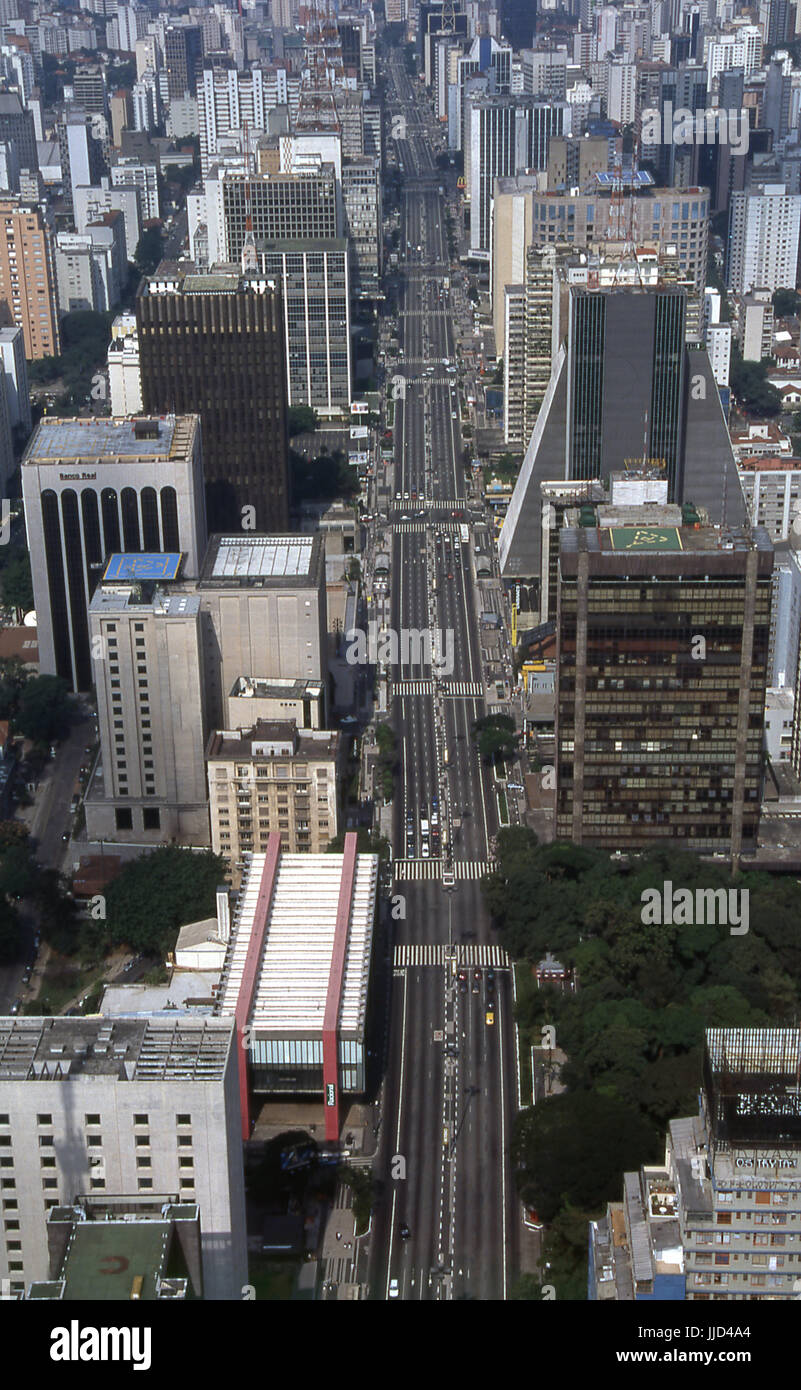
(406, 526)
(461, 688)
(450, 690)
(413, 688)
(420, 869)
(474, 955)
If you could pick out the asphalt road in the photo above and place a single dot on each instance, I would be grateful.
(448, 1100)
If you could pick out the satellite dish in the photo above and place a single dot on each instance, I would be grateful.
(30, 619)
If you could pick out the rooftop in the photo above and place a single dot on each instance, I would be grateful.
(243, 743)
(57, 1049)
(244, 561)
(132, 566)
(292, 980)
(116, 440)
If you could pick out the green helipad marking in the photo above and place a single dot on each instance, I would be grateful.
(645, 538)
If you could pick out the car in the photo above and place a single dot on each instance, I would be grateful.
(404, 1231)
(425, 852)
(490, 979)
(15, 1006)
(65, 836)
(462, 977)
(406, 497)
(450, 576)
(476, 981)
(398, 496)
(394, 1289)
(490, 1018)
(454, 416)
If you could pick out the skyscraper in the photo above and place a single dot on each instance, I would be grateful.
(505, 134)
(215, 344)
(663, 628)
(27, 278)
(624, 388)
(764, 228)
(95, 486)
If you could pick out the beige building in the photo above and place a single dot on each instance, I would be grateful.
(27, 278)
(299, 700)
(272, 777)
(512, 234)
(150, 785)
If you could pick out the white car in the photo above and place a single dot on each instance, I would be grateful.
(394, 1289)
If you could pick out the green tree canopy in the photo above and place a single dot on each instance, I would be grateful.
(786, 303)
(158, 893)
(16, 585)
(44, 709)
(302, 419)
(149, 250)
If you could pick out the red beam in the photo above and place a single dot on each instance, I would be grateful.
(333, 997)
(247, 988)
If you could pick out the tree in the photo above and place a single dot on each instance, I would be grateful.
(11, 940)
(149, 250)
(16, 585)
(13, 677)
(18, 872)
(752, 389)
(786, 303)
(496, 736)
(158, 893)
(574, 1147)
(302, 419)
(44, 709)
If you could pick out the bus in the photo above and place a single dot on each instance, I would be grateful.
(464, 534)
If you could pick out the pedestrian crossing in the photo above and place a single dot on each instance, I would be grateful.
(422, 869)
(450, 690)
(472, 954)
(407, 526)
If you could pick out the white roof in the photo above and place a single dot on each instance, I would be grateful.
(268, 556)
(292, 981)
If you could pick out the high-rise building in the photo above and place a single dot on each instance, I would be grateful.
(17, 128)
(625, 389)
(96, 486)
(361, 199)
(228, 100)
(716, 1220)
(763, 239)
(27, 278)
(215, 344)
(272, 776)
(513, 363)
(122, 364)
(147, 650)
(89, 88)
(318, 345)
(663, 627)
(183, 54)
(505, 134)
(15, 371)
(264, 605)
(143, 1108)
(275, 208)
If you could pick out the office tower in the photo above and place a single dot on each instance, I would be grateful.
(128, 26)
(506, 134)
(183, 53)
(361, 199)
(785, 620)
(740, 49)
(122, 363)
(275, 208)
(777, 102)
(659, 735)
(9, 168)
(778, 21)
(264, 598)
(318, 345)
(306, 924)
(89, 89)
(538, 288)
(272, 776)
(17, 128)
(15, 373)
(27, 278)
(146, 103)
(621, 91)
(139, 488)
(544, 72)
(763, 239)
(144, 1108)
(735, 1165)
(147, 647)
(624, 387)
(574, 160)
(215, 344)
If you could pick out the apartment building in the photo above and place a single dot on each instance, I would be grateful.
(28, 278)
(272, 776)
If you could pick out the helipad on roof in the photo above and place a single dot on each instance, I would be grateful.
(145, 566)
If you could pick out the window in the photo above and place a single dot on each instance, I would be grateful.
(184, 1140)
(44, 1119)
(142, 1161)
(145, 1183)
(183, 1119)
(123, 818)
(47, 1162)
(49, 1183)
(45, 1140)
(151, 816)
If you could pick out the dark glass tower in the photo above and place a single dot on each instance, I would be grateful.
(214, 344)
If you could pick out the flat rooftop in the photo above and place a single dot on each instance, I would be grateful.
(277, 687)
(690, 550)
(108, 600)
(123, 440)
(104, 1258)
(258, 560)
(57, 1049)
(310, 743)
(292, 980)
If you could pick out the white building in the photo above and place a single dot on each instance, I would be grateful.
(763, 239)
(90, 203)
(15, 371)
(128, 171)
(718, 345)
(143, 1108)
(124, 374)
